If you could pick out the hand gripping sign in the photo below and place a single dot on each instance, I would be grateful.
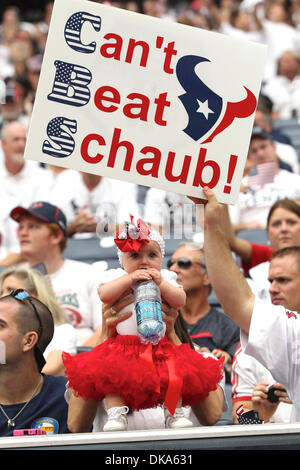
(144, 100)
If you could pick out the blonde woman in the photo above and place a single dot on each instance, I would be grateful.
(37, 285)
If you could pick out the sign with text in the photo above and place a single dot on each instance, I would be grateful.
(149, 101)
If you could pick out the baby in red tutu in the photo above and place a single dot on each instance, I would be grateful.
(129, 373)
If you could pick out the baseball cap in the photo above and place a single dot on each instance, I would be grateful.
(43, 211)
(260, 133)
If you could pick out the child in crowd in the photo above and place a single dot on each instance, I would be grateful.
(129, 373)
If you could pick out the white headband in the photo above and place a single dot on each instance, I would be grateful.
(154, 236)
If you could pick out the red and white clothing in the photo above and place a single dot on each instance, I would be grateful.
(145, 375)
(274, 341)
(152, 418)
(247, 372)
(258, 270)
(259, 254)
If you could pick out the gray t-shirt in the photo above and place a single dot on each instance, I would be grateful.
(215, 331)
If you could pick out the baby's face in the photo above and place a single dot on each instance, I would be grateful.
(148, 256)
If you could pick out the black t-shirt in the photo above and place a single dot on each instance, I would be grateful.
(47, 411)
(215, 331)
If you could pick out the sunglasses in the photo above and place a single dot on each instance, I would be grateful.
(183, 263)
(22, 295)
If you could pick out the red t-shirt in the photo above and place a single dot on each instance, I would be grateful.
(260, 254)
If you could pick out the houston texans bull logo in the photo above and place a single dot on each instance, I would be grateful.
(204, 106)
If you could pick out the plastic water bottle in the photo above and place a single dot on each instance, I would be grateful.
(150, 325)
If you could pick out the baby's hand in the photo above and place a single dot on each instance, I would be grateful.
(155, 275)
(140, 275)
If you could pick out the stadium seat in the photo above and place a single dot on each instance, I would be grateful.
(90, 250)
(94, 249)
(81, 349)
(291, 128)
(258, 236)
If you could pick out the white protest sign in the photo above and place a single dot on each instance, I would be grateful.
(140, 99)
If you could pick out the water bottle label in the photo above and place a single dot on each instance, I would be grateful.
(148, 310)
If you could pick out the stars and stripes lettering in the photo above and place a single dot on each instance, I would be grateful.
(62, 143)
(124, 96)
(70, 84)
(73, 31)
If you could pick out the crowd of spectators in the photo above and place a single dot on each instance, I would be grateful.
(275, 23)
(33, 194)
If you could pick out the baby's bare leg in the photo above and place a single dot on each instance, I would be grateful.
(113, 400)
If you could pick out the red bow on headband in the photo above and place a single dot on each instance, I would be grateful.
(132, 238)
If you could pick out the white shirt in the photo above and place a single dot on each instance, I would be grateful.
(75, 287)
(285, 95)
(247, 372)
(274, 340)
(64, 339)
(254, 205)
(259, 282)
(279, 37)
(111, 200)
(255, 35)
(8, 227)
(288, 154)
(175, 213)
(31, 184)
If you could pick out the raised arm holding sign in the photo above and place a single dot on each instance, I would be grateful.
(269, 332)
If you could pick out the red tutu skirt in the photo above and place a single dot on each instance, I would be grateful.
(145, 375)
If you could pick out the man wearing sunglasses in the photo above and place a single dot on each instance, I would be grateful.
(208, 327)
(28, 398)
